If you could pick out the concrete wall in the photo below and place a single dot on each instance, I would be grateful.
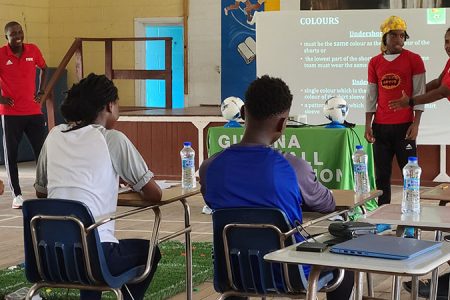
(33, 15)
(53, 25)
(204, 52)
(103, 18)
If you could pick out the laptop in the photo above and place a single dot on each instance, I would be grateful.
(383, 246)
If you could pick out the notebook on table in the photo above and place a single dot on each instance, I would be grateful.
(383, 246)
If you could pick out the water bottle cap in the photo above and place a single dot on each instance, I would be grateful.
(187, 144)
(412, 158)
(359, 147)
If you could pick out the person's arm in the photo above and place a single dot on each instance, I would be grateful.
(413, 130)
(368, 133)
(434, 95)
(40, 185)
(41, 64)
(202, 172)
(371, 107)
(151, 191)
(131, 167)
(434, 84)
(202, 175)
(5, 100)
(441, 92)
(419, 88)
(42, 83)
(316, 197)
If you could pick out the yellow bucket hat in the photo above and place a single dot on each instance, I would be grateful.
(391, 23)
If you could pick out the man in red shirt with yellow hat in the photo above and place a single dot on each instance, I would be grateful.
(392, 71)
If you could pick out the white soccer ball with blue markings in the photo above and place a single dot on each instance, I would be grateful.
(231, 108)
(335, 109)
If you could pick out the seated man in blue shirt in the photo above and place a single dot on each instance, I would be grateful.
(253, 174)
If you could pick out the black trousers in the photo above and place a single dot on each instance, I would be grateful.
(389, 141)
(343, 291)
(34, 127)
(121, 257)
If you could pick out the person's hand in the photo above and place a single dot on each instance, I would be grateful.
(6, 101)
(412, 132)
(2, 187)
(122, 181)
(399, 103)
(368, 134)
(38, 96)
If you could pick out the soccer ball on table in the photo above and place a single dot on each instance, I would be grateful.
(231, 110)
(335, 109)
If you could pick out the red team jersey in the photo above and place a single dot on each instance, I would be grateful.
(18, 79)
(393, 77)
(446, 76)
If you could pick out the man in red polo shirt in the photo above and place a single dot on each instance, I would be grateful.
(19, 101)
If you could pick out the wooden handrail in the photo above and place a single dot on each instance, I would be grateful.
(48, 97)
(76, 50)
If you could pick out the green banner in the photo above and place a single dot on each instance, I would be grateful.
(328, 150)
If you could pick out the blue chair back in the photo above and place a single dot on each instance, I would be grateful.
(62, 252)
(246, 248)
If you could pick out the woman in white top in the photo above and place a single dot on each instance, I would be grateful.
(84, 160)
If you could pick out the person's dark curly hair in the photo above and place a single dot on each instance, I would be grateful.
(266, 97)
(87, 98)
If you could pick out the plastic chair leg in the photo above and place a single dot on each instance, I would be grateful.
(118, 293)
(358, 289)
(33, 290)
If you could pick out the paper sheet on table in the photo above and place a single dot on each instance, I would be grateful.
(124, 189)
(165, 184)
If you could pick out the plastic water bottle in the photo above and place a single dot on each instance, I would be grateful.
(187, 166)
(411, 187)
(360, 172)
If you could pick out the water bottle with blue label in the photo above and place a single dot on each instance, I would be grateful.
(187, 166)
(360, 172)
(411, 187)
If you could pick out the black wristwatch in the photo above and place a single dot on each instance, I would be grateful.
(411, 102)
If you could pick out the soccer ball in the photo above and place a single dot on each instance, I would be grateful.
(335, 109)
(231, 108)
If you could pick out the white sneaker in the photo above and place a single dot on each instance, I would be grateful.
(206, 210)
(17, 202)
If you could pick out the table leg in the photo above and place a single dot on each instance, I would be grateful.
(187, 237)
(311, 292)
(417, 233)
(434, 284)
(396, 288)
(358, 285)
(369, 277)
(400, 230)
(414, 287)
(434, 274)
(448, 296)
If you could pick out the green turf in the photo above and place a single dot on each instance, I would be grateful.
(169, 279)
